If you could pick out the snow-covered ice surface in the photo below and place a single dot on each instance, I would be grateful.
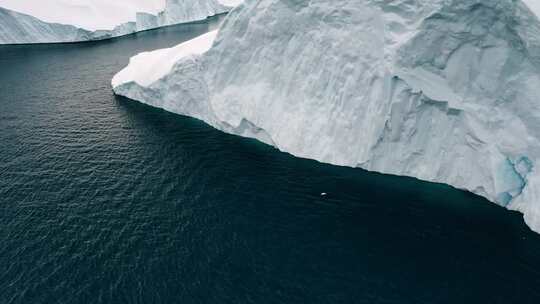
(148, 67)
(442, 90)
(39, 21)
(231, 3)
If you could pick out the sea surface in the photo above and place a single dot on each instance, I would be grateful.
(106, 200)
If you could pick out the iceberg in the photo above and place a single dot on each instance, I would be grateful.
(20, 28)
(445, 91)
(82, 20)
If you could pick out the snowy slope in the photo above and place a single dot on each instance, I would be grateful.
(442, 90)
(148, 67)
(33, 21)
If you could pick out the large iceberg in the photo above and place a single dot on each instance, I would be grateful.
(80, 20)
(442, 90)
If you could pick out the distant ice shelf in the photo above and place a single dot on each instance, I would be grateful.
(442, 90)
(37, 21)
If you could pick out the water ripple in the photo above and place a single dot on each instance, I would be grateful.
(104, 200)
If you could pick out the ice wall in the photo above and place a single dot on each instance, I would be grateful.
(90, 15)
(79, 20)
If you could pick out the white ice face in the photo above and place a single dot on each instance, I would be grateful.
(445, 91)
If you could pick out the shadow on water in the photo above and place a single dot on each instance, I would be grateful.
(413, 237)
(106, 200)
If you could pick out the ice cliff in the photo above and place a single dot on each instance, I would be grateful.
(20, 28)
(37, 21)
(442, 90)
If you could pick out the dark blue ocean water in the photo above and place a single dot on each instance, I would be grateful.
(105, 200)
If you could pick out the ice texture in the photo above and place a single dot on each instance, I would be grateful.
(157, 64)
(42, 21)
(441, 90)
